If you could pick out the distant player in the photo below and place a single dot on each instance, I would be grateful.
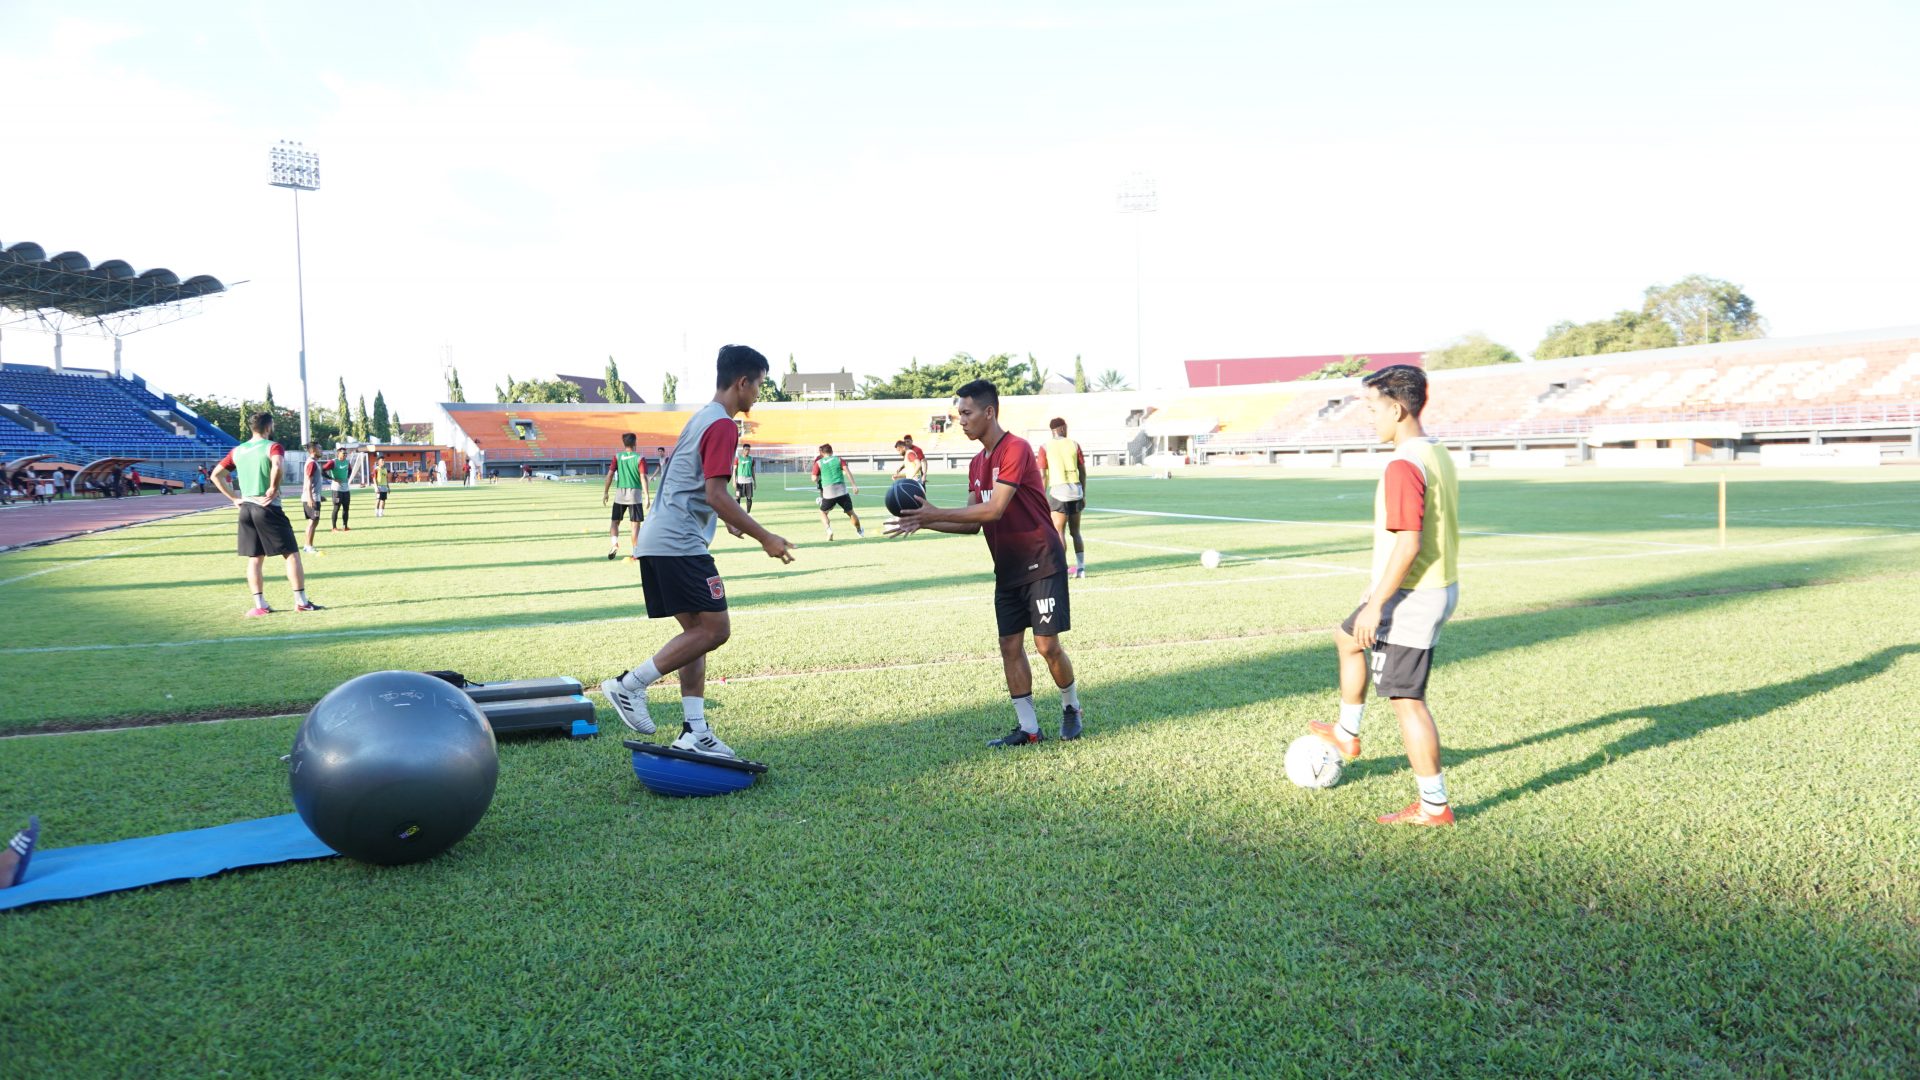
(1415, 588)
(1065, 468)
(264, 529)
(1005, 501)
(382, 479)
(339, 474)
(743, 477)
(913, 461)
(677, 573)
(310, 494)
(627, 483)
(835, 485)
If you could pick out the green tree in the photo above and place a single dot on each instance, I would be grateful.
(540, 392)
(1701, 310)
(1694, 310)
(1079, 375)
(380, 427)
(1109, 381)
(362, 426)
(1627, 331)
(269, 403)
(500, 396)
(344, 411)
(670, 388)
(454, 390)
(1344, 368)
(1037, 376)
(219, 412)
(616, 391)
(1470, 350)
(1008, 376)
(398, 436)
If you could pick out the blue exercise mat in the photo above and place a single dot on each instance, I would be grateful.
(92, 869)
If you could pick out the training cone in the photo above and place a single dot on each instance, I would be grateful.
(664, 770)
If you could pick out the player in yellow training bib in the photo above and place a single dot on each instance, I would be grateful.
(1065, 469)
(1414, 588)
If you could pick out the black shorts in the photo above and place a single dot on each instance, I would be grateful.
(1040, 604)
(743, 491)
(310, 510)
(621, 510)
(382, 493)
(265, 530)
(1058, 507)
(1398, 671)
(678, 584)
(844, 502)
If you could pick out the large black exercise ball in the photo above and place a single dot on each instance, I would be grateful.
(393, 767)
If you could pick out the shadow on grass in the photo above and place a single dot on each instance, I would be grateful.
(1678, 721)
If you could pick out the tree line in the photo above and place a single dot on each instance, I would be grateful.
(1694, 310)
(328, 426)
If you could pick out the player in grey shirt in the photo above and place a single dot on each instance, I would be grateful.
(677, 573)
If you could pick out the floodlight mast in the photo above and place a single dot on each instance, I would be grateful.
(297, 169)
(1138, 196)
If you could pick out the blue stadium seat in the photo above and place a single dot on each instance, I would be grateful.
(97, 416)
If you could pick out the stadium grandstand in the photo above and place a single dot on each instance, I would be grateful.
(85, 422)
(1846, 398)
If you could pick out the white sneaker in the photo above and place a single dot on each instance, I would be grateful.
(632, 707)
(702, 742)
(308, 549)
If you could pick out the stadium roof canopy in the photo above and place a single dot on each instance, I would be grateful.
(50, 287)
(1256, 370)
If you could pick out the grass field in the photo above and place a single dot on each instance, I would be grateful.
(1689, 839)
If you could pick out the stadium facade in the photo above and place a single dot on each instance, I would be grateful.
(1841, 399)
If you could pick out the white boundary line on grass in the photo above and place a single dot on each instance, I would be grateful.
(108, 555)
(805, 609)
(1226, 557)
(1668, 545)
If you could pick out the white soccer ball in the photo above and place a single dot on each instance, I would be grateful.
(1312, 762)
(1210, 559)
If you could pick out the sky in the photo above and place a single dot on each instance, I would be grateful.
(527, 189)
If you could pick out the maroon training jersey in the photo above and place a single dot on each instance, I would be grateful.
(1024, 544)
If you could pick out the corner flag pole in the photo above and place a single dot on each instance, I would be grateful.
(1723, 509)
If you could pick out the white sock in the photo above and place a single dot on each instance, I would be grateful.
(1350, 718)
(259, 600)
(299, 596)
(613, 543)
(1433, 791)
(1023, 708)
(694, 711)
(1070, 694)
(641, 677)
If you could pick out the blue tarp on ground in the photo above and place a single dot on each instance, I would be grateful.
(92, 869)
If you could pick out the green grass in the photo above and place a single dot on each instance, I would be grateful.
(1684, 775)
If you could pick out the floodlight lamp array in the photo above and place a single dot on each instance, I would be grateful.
(291, 165)
(1139, 195)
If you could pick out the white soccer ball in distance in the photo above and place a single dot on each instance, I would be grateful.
(1210, 559)
(1312, 762)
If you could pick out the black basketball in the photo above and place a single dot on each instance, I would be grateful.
(904, 495)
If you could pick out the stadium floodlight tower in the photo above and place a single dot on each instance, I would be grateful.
(1138, 196)
(297, 169)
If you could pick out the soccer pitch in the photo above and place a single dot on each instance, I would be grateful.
(1684, 775)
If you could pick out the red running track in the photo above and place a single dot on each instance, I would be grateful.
(29, 524)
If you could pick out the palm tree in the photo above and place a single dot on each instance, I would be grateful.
(1111, 380)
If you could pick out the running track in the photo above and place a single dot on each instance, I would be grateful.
(24, 526)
